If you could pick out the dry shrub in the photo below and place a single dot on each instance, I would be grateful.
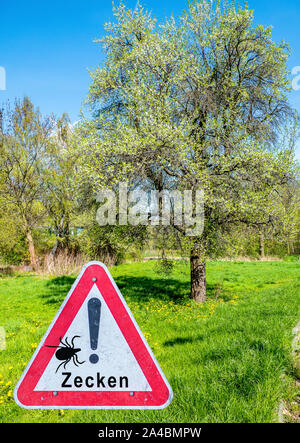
(63, 263)
(245, 258)
(66, 263)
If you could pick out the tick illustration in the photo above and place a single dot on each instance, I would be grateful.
(66, 352)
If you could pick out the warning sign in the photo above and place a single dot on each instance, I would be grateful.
(93, 354)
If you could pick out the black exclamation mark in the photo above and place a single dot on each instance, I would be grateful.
(94, 311)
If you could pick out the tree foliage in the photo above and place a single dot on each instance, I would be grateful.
(24, 139)
(199, 102)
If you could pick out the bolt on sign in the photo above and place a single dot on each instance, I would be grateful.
(93, 354)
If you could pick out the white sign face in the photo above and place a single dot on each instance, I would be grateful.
(116, 369)
(93, 354)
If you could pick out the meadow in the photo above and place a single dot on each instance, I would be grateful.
(227, 360)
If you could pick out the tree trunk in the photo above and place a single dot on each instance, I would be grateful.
(261, 246)
(31, 249)
(62, 237)
(198, 277)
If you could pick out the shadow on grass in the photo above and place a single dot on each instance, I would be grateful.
(142, 289)
(58, 288)
(183, 340)
(137, 289)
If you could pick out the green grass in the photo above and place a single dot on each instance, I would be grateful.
(224, 359)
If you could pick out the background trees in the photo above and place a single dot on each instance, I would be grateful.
(24, 138)
(60, 175)
(195, 103)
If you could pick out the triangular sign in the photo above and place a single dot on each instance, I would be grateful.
(93, 355)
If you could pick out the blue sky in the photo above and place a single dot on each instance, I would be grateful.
(47, 48)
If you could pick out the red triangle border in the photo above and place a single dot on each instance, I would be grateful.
(161, 394)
